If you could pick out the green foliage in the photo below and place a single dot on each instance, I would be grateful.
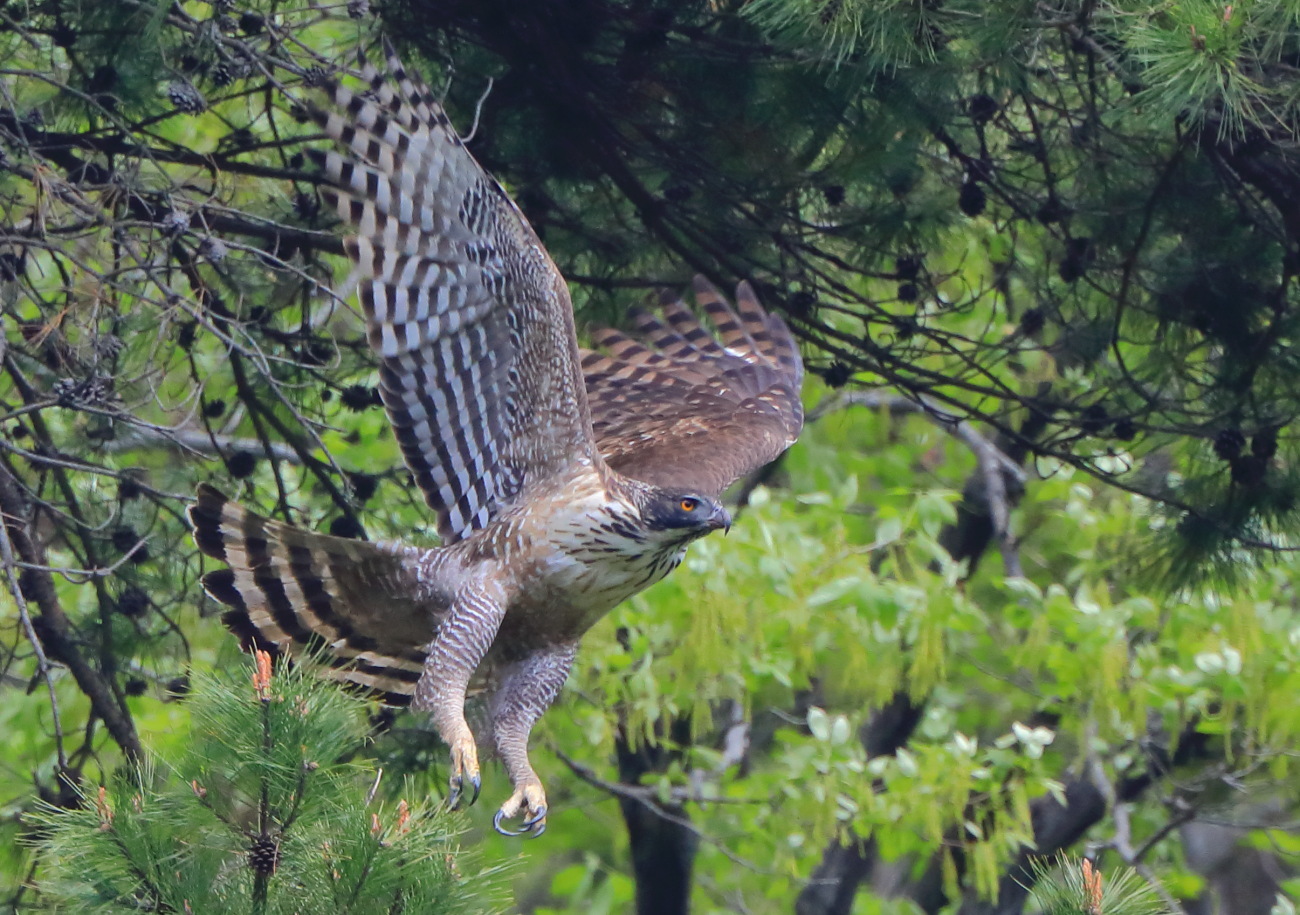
(1067, 886)
(257, 809)
(821, 596)
(1120, 308)
(884, 35)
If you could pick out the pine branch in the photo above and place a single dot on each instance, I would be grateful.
(260, 810)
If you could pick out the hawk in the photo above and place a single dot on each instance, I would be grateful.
(564, 480)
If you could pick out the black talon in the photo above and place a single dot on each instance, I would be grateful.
(534, 825)
(457, 790)
(496, 824)
(535, 819)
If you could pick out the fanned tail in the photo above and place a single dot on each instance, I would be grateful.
(293, 591)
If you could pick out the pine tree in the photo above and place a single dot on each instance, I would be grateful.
(1071, 226)
(261, 812)
(1076, 886)
(1112, 180)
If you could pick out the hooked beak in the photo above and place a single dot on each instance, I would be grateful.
(721, 520)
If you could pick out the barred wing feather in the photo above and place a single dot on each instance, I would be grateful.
(471, 320)
(684, 407)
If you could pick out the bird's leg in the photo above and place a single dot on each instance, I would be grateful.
(461, 644)
(527, 690)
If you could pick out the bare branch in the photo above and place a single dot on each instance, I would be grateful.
(56, 631)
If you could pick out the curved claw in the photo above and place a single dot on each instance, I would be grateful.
(458, 787)
(537, 819)
(534, 825)
(496, 824)
(464, 767)
(530, 800)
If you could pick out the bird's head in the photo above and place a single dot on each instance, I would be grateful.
(683, 514)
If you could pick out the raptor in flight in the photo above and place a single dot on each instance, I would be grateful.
(564, 481)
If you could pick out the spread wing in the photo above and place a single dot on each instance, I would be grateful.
(687, 409)
(470, 318)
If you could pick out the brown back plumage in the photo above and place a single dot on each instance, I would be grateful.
(292, 590)
(470, 318)
(690, 410)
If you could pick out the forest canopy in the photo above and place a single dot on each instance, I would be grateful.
(1026, 585)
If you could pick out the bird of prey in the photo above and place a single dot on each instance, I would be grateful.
(564, 480)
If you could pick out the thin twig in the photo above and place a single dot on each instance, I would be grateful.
(1122, 840)
(478, 109)
(43, 666)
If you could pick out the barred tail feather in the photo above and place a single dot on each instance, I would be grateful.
(297, 592)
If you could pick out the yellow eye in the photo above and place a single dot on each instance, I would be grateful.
(689, 505)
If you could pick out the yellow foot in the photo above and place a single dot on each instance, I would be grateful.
(464, 769)
(529, 800)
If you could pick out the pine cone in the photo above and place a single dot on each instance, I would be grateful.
(981, 108)
(837, 374)
(363, 485)
(1052, 211)
(241, 464)
(972, 199)
(1093, 419)
(1124, 429)
(315, 76)
(63, 35)
(186, 98)
(1078, 257)
(1264, 444)
(132, 602)
(214, 249)
(97, 390)
(343, 526)
(1228, 443)
(227, 71)
(359, 397)
(907, 267)
(264, 855)
(175, 222)
(128, 485)
(106, 346)
(1249, 469)
(1032, 321)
